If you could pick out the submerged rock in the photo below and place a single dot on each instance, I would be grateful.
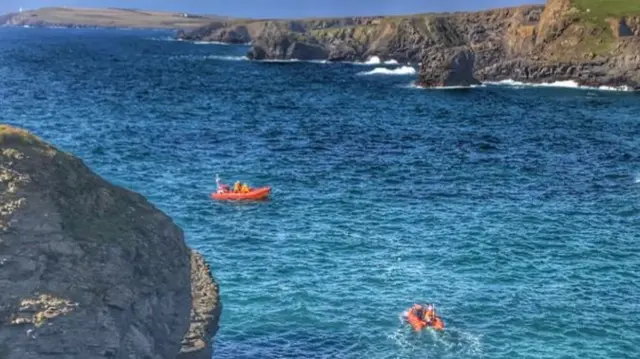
(89, 269)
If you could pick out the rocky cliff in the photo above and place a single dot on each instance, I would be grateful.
(402, 38)
(586, 41)
(91, 270)
(592, 42)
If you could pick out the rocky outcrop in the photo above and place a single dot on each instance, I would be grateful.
(205, 312)
(448, 67)
(278, 43)
(244, 31)
(402, 38)
(231, 33)
(91, 270)
(572, 44)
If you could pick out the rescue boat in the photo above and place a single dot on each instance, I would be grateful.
(255, 194)
(418, 324)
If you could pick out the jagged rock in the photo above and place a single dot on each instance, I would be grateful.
(447, 67)
(89, 269)
(553, 22)
(205, 312)
(279, 44)
(217, 31)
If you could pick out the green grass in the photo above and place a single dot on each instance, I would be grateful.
(592, 15)
(602, 9)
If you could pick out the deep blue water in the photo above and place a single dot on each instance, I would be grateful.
(515, 210)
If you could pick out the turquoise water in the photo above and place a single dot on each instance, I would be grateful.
(515, 210)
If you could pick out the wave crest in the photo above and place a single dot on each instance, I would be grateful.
(404, 70)
(375, 60)
(560, 84)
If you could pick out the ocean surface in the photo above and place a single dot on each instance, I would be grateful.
(515, 209)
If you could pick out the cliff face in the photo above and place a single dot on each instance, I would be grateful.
(91, 270)
(244, 31)
(402, 38)
(588, 45)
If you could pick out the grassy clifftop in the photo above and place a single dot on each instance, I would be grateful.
(108, 17)
(584, 29)
(597, 10)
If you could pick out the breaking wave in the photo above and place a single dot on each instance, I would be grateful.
(404, 70)
(415, 86)
(375, 60)
(560, 84)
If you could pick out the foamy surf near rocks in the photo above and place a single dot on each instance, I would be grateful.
(92, 270)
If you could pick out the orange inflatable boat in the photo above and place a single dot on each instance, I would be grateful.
(255, 194)
(418, 324)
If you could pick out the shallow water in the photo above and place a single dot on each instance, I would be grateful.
(515, 210)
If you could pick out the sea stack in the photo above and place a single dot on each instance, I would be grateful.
(453, 67)
(91, 270)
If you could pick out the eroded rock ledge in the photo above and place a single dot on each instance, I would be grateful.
(91, 270)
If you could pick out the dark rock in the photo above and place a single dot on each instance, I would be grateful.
(205, 312)
(279, 44)
(90, 269)
(443, 67)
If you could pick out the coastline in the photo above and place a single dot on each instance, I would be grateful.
(75, 17)
(560, 41)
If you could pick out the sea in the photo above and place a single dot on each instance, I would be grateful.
(515, 209)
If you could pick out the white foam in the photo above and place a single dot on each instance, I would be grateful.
(210, 57)
(414, 85)
(559, 84)
(295, 60)
(227, 58)
(210, 43)
(374, 60)
(455, 87)
(404, 70)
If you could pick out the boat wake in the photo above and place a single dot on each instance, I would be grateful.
(429, 343)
